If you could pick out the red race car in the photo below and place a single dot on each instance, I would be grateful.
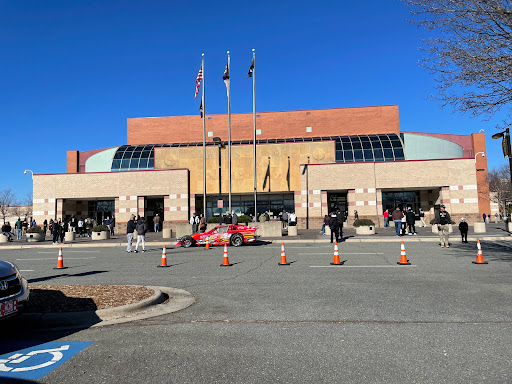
(233, 234)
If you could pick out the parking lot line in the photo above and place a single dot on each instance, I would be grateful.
(71, 252)
(343, 253)
(53, 258)
(360, 266)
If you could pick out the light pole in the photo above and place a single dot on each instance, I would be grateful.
(306, 170)
(28, 170)
(220, 144)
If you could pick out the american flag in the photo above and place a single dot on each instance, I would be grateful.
(198, 80)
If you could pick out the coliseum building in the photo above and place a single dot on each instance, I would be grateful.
(359, 159)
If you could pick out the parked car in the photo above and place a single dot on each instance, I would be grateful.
(14, 290)
(233, 234)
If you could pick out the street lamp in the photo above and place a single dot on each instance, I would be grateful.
(505, 145)
(479, 153)
(28, 170)
(220, 144)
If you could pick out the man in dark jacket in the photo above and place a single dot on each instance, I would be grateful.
(130, 227)
(55, 232)
(442, 219)
(463, 228)
(341, 219)
(410, 218)
(334, 225)
(234, 218)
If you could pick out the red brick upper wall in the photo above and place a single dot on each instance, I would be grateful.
(273, 125)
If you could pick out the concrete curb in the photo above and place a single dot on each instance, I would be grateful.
(179, 299)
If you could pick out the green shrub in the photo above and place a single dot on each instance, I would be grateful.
(363, 223)
(213, 220)
(100, 228)
(35, 230)
(244, 219)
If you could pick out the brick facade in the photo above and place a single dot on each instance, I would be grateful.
(273, 125)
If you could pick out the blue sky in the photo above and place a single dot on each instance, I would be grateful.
(72, 72)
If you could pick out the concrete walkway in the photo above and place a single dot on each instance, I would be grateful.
(494, 232)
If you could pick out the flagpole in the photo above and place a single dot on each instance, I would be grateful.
(254, 128)
(204, 145)
(229, 133)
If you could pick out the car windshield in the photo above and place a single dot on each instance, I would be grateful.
(223, 229)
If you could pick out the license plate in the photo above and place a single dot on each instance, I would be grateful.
(8, 307)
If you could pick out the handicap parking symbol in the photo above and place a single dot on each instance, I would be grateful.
(37, 361)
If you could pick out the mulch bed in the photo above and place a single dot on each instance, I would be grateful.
(78, 298)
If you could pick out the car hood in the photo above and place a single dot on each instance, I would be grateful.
(7, 268)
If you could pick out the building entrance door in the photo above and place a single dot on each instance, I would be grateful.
(154, 206)
(100, 210)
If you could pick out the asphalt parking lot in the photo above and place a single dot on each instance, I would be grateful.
(441, 320)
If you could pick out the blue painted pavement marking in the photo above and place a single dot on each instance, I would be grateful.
(39, 360)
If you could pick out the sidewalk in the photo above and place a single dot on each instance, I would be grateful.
(495, 232)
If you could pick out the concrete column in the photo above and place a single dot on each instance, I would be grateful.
(141, 208)
(59, 208)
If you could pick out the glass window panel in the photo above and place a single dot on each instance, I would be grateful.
(338, 145)
(339, 156)
(358, 155)
(345, 140)
(349, 156)
(143, 163)
(116, 164)
(127, 154)
(125, 164)
(356, 144)
(388, 155)
(368, 155)
(145, 154)
(396, 143)
(379, 155)
(399, 154)
(151, 163)
(386, 143)
(134, 163)
(119, 154)
(366, 144)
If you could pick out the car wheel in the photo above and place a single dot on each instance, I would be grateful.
(237, 240)
(187, 241)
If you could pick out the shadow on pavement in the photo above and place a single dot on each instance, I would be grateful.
(82, 274)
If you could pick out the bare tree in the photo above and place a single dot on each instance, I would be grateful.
(469, 52)
(7, 200)
(28, 202)
(499, 186)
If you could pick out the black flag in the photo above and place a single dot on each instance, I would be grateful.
(267, 177)
(251, 69)
(288, 174)
(201, 109)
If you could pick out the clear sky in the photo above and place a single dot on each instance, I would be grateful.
(72, 72)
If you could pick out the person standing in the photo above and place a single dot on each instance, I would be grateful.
(141, 228)
(55, 232)
(442, 219)
(234, 218)
(325, 224)
(495, 218)
(64, 228)
(130, 228)
(156, 222)
(293, 219)
(397, 220)
(17, 225)
(411, 222)
(356, 216)
(488, 219)
(341, 219)
(195, 223)
(202, 223)
(80, 227)
(45, 226)
(284, 217)
(112, 225)
(334, 225)
(24, 226)
(404, 224)
(463, 228)
(386, 218)
(484, 216)
(422, 218)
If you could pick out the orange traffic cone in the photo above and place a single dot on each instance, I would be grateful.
(225, 261)
(60, 262)
(283, 256)
(163, 263)
(479, 256)
(207, 246)
(403, 256)
(336, 255)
